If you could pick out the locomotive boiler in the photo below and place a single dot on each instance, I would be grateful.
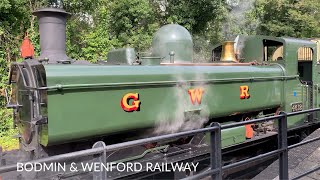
(57, 100)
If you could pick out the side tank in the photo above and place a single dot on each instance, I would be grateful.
(77, 102)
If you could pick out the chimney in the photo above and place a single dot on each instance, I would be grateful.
(52, 27)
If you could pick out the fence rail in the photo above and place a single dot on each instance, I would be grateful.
(217, 168)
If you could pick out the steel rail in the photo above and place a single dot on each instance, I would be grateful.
(306, 173)
(209, 172)
(261, 156)
(303, 143)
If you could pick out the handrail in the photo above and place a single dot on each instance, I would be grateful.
(112, 147)
(156, 83)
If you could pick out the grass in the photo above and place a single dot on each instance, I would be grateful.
(7, 142)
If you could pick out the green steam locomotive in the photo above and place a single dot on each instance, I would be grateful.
(59, 101)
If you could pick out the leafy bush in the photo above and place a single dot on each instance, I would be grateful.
(5, 122)
(7, 142)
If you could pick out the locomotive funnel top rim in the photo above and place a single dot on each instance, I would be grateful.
(57, 10)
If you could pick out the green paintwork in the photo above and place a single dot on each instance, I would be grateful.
(122, 56)
(233, 136)
(84, 101)
(173, 37)
(230, 136)
(290, 64)
(149, 60)
(252, 49)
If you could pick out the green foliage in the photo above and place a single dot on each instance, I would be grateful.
(194, 14)
(5, 121)
(7, 141)
(132, 22)
(92, 42)
(288, 17)
(15, 20)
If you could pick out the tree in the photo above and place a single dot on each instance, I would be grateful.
(288, 17)
(133, 23)
(15, 20)
(195, 15)
(240, 19)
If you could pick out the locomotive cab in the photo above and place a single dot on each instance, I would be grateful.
(296, 57)
(295, 54)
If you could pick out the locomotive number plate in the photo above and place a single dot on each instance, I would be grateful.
(296, 107)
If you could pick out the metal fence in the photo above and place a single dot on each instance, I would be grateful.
(217, 168)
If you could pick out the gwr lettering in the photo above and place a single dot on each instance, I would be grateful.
(244, 92)
(195, 95)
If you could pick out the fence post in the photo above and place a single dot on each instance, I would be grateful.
(283, 145)
(102, 158)
(215, 143)
(1, 157)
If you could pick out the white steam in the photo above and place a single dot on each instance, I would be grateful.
(182, 121)
(237, 22)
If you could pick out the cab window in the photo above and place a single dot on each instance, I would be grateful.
(273, 50)
(304, 58)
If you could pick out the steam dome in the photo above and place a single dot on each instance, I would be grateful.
(175, 40)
